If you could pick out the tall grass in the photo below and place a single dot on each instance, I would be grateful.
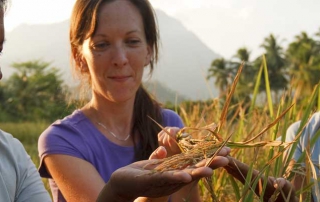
(244, 126)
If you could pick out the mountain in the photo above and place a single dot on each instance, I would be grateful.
(182, 66)
(163, 93)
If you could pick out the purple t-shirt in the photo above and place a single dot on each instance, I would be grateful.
(75, 135)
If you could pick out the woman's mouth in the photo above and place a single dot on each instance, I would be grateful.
(120, 78)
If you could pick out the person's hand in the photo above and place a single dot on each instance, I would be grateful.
(139, 178)
(277, 189)
(167, 138)
(283, 189)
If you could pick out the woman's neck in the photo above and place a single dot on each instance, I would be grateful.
(111, 117)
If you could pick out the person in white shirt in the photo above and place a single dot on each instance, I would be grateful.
(310, 131)
(19, 178)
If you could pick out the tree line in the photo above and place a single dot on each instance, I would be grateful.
(296, 67)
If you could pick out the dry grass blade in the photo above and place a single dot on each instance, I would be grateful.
(269, 126)
(224, 112)
(218, 150)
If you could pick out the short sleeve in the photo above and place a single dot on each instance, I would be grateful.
(171, 119)
(59, 139)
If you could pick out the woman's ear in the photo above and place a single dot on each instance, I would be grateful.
(80, 61)
(148, 56)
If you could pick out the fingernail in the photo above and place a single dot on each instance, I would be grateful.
(159, 148)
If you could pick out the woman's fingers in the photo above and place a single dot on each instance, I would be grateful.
(159, 153)
(167, 138)
(168, 135)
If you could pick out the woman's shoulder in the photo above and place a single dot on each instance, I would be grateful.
(61, 128)
(76, 118)
(168, 112)
(171, 118)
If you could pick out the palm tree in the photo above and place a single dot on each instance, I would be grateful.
(220, 71)
(243, 54)
(246, 81)
(276, 63)
(304, 57)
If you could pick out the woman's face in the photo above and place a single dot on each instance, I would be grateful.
(1, 35)
(117, 53)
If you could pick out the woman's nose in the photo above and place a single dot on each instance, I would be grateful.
(119, 56)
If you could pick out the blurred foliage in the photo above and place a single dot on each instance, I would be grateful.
(34, 92)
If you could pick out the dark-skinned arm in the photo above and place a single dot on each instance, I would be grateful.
(240, 170)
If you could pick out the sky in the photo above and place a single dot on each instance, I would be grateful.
(223, 25)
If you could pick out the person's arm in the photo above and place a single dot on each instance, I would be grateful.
(77, 179)
(27, 184)
(298, 180)
(240, 171)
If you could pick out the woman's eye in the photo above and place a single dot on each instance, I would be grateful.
(133, 42)
(99, 46)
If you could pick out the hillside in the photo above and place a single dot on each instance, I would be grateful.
(182, 67)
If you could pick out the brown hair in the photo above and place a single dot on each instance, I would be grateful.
(83, 25)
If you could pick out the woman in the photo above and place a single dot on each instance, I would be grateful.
(112, 41)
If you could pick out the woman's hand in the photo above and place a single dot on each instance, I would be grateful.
(140, 179)
(167, 138)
